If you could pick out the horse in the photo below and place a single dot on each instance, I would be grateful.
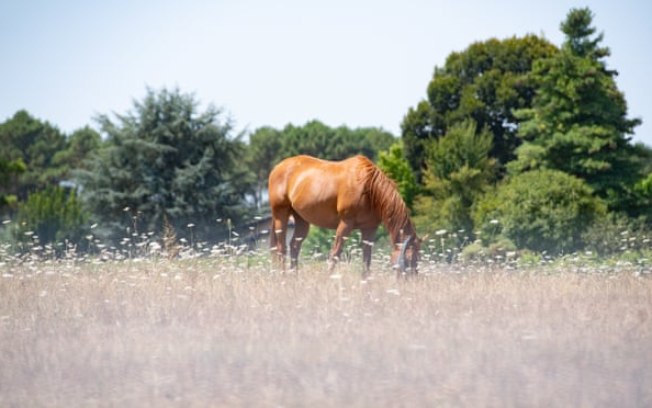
(340, 195)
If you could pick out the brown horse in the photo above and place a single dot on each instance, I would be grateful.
(346, 195)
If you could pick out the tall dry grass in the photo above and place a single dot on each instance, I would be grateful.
(207, 332)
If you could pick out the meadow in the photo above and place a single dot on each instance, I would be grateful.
(227, 330)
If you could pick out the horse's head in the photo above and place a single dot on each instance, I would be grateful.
(407, 255)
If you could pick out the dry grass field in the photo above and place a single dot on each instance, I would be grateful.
(207, 332)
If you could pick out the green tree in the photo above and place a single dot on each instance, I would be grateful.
(316, 139)
(53, 216)
(263, 153)
(541, 210)
(376, 140)
(34, 143)
(485, 82)
(578, 120)
(459, 169)
(166, 158)
(9, 171)
(640, 199)
(396, 166)
(78, 148)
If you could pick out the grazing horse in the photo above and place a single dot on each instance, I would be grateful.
(346, 195)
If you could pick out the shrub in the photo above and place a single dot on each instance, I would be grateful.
(318, 242)
(541, 210)
(617, 233)
(459, 170)
(502, 248)
(51, 216)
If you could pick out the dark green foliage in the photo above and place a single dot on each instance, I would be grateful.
(264, 151)
(318, 140)
(616, 233)
(578, 121)
(9, 171)
(53, 216)
(579, 35)
(485, 82)
(640, 197)
(459, 169)
(79, 147)
(643, 154)
(318, 243)
(164, 157)
(375, 141)
(541, 210)
(34, 143)
(416, 131)
(645, 186)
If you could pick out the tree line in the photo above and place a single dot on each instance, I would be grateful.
(519, 144)
(164, 162)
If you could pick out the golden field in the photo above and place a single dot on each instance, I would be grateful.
(216, 332)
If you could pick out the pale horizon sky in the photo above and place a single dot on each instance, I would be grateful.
(354, 63)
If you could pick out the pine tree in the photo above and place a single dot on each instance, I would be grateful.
(165, 158)
(578, 122)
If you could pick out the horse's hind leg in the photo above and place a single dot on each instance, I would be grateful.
(301, 228)
(277, 241)
(343, 230)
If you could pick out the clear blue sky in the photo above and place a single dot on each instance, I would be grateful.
(358, 63)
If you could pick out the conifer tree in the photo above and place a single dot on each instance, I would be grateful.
(578, 122)
(164, 158)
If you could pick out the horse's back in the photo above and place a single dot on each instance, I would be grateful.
(321, 170)
(317, 189)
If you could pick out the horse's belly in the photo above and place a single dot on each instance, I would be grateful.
(318, 202)
(321, 217)
(315, 202)
(328, 217)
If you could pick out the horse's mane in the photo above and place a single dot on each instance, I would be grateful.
(385, 200)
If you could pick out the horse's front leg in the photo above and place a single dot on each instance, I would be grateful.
(343, 230)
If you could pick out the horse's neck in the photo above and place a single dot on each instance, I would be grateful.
(389, 206)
